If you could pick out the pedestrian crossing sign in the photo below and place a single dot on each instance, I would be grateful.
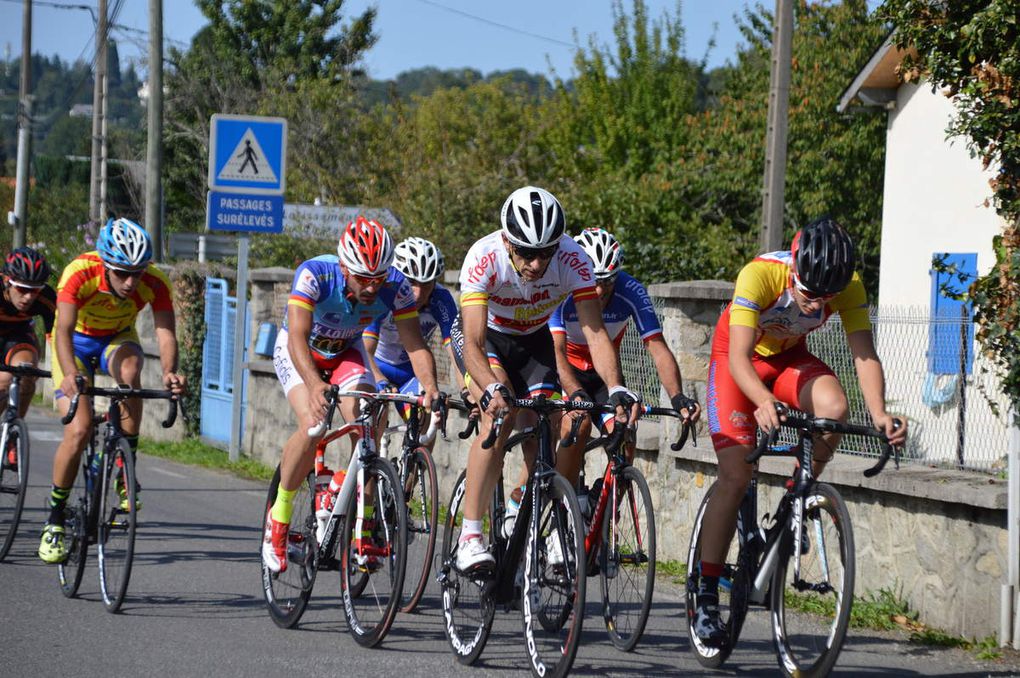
(247, 154)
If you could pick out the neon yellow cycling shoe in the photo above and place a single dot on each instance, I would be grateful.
(118, 484)
(52, 548)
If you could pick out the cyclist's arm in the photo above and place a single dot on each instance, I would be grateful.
(871, 377)
(166, 338)
(371, 342)
(474, 319)
(665, 365)
(67, 318)
(568, 380)
(299, 328)
(422, 361)
(742, 341)
(461, 384)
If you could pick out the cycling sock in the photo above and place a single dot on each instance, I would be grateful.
(58, 500)
(366, 527)
(709, 582)
(470, 528)
(283, 508)
(516, 495)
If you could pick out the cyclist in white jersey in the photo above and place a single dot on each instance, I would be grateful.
(511, 281)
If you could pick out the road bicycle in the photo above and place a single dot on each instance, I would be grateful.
(540, 564)
(372, 569)
(620, 535)
(14, 445)
(798, 563)
(106, 511)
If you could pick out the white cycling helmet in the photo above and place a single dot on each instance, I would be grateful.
(604, 250)
(124, 245)
(533, 217)
(419, 260)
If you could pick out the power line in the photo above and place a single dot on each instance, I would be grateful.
(475, 17)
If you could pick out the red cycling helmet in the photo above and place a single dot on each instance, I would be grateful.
(365, 247)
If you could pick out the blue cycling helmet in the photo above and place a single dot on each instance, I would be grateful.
(124, 245)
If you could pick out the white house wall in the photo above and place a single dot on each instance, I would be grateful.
(933, 202)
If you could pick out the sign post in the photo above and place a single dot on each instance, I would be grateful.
(247, 177)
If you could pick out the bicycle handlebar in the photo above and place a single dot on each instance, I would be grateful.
(333, 396)
(121, 392)
(25, 370)
(472, 423)
(811, 424)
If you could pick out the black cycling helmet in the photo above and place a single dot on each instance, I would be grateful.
(823, 257)
(27, 266)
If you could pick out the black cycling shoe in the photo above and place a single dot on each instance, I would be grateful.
(708, 627)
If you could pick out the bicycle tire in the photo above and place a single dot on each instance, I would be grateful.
(553, 593)
(627, 561)
(13, 483)
(421, 489)
(370, 615)
(287, 593)
(732, 597)
(828, 530)
(118, 522)
(468, 610)
(76, 522)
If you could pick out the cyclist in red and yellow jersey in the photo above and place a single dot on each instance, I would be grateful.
(98, 298)
(760, 357)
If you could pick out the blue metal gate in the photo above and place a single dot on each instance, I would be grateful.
(218, 361)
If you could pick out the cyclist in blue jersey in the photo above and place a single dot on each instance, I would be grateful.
(332, 300)
(622, 299)
(422, 264)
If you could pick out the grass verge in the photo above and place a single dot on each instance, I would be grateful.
(196, 453)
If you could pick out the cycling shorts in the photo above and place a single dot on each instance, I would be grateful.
(91, 352)
(597, 391)
(347, 370)
(731, 413)
(527, 359)
(18, 341)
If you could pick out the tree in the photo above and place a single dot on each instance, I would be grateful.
(972, 49)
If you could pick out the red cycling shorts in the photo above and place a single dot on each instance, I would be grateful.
(731, 413)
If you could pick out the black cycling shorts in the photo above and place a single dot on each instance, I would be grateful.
(527, 359)
(17, 341)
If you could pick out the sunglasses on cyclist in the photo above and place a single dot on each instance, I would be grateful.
(124, 274)
(25, 288)
(607, 280)
(532, 253)
(808, 294)
(373, 280)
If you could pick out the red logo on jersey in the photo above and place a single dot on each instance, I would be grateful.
(517, 301)
(478, 271)
(575, 261)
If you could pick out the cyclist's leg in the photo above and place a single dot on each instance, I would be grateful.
(68, 457)
(123, 359)
(23, 353)
(809, 384)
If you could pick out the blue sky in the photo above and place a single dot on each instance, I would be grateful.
(412, 33)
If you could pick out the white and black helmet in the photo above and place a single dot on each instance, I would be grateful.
(532, 217)
(419, 260)
(604, 250)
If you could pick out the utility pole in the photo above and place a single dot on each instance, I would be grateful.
(98, 115)
(774, 193)
(154, 150)
(20, 216)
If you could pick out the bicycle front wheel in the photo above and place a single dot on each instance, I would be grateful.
(76, 517)
(811, 606)
(13, 481)
(467, 606)
(118, 516)
(420, 491)
(734, 585)
(374, 545)
(553, 596)
(287, 592)
(627, 560)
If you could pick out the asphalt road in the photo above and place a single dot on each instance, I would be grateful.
(195, 607)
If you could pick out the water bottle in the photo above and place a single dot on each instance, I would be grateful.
(94, 474)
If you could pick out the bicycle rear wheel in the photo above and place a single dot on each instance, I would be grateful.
(627, 560)
(13, 481)
(118, 516)
(287, 592)
(467, 608)
(76, 521)
(420, 491)
(376, 548)
(734, 585)
(555, 575)
(811, 608)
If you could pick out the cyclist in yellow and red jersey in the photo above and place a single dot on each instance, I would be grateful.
(99, 295)
(26, 295)
(760, 358)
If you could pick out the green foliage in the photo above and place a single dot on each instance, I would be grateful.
(196, 453)
(971, 48)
